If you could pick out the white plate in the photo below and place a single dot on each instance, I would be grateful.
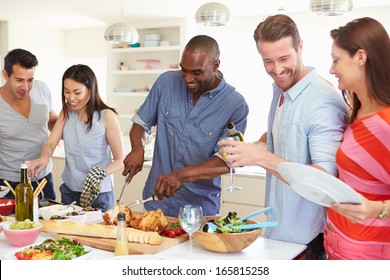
(316, 185)
(4, 191)
(57, 209)
(11, 254)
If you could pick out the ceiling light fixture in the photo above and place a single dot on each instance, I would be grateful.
(120, 33)
(330, 7)
(212, 14)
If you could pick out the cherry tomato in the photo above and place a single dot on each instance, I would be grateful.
(171, 233)
(21, 256)
(178, 232)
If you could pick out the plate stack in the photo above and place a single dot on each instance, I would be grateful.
(152, 40)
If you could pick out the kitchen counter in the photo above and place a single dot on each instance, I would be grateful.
(261, 249)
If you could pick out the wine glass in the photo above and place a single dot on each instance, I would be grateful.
(232, 187)
(190, 219)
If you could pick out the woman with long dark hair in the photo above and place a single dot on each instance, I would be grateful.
(361, 62)
(92, 139)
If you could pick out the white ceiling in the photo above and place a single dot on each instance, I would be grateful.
(68, 14)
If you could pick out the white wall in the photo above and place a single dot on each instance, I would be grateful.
(242, 65)
(240, 62)
(47, 44)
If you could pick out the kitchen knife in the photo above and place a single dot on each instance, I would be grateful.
(127, 181)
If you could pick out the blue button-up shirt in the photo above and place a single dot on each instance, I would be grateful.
(187, 135)
(311, 126)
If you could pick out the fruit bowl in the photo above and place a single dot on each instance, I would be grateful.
(226, 242)
(21, 237)
(7, 206)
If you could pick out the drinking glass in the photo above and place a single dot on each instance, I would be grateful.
(190, 219)
(232, 187)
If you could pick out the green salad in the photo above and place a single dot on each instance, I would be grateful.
(63, 248)
(225, 224)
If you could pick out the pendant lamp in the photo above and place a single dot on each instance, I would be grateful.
(121, 33)
(212, 14)
(330, 7)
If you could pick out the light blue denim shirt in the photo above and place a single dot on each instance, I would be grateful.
(187, 135)
(311, 127)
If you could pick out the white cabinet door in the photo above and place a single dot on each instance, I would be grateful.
(58, 168)
(246, 201)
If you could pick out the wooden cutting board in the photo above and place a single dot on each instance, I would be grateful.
(134, 248)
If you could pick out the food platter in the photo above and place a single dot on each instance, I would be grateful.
(10, 255)
(316, 185)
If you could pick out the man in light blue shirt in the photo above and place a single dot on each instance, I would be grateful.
(306, 122)
(190, 108)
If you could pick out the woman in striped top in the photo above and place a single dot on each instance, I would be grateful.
(361, 62)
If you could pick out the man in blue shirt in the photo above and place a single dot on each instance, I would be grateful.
(190, 108)
(306, 122)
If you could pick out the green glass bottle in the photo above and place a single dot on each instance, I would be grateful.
(232, 131)
(23, 197)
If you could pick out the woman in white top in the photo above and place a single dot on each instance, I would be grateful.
(92, 139)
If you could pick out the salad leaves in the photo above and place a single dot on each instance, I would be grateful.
(63, 248)
(225, 224)
(53, 249)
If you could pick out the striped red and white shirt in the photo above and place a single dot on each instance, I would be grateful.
(363, 160)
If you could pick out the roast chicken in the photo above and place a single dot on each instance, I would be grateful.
(148, 221)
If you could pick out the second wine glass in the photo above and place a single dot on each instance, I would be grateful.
(190, 219)
(232, 187)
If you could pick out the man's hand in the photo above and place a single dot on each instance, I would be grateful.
(167, 185)
(133, 163)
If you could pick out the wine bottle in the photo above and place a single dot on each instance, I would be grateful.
(121, 244)
(23, 197)
(232, 131)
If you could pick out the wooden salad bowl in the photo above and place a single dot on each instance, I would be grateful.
(226, 242)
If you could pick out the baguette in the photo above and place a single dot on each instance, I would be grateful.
(77, 228)
(144, 237)
(102, 231)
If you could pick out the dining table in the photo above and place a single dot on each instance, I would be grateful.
(260, 249)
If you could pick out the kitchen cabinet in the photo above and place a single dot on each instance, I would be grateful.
(246, 201)
(58, 168)
(131, 71)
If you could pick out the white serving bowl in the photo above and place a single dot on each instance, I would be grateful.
(60, 210)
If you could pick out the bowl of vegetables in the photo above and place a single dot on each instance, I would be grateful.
(226, 238)
(20, 234)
